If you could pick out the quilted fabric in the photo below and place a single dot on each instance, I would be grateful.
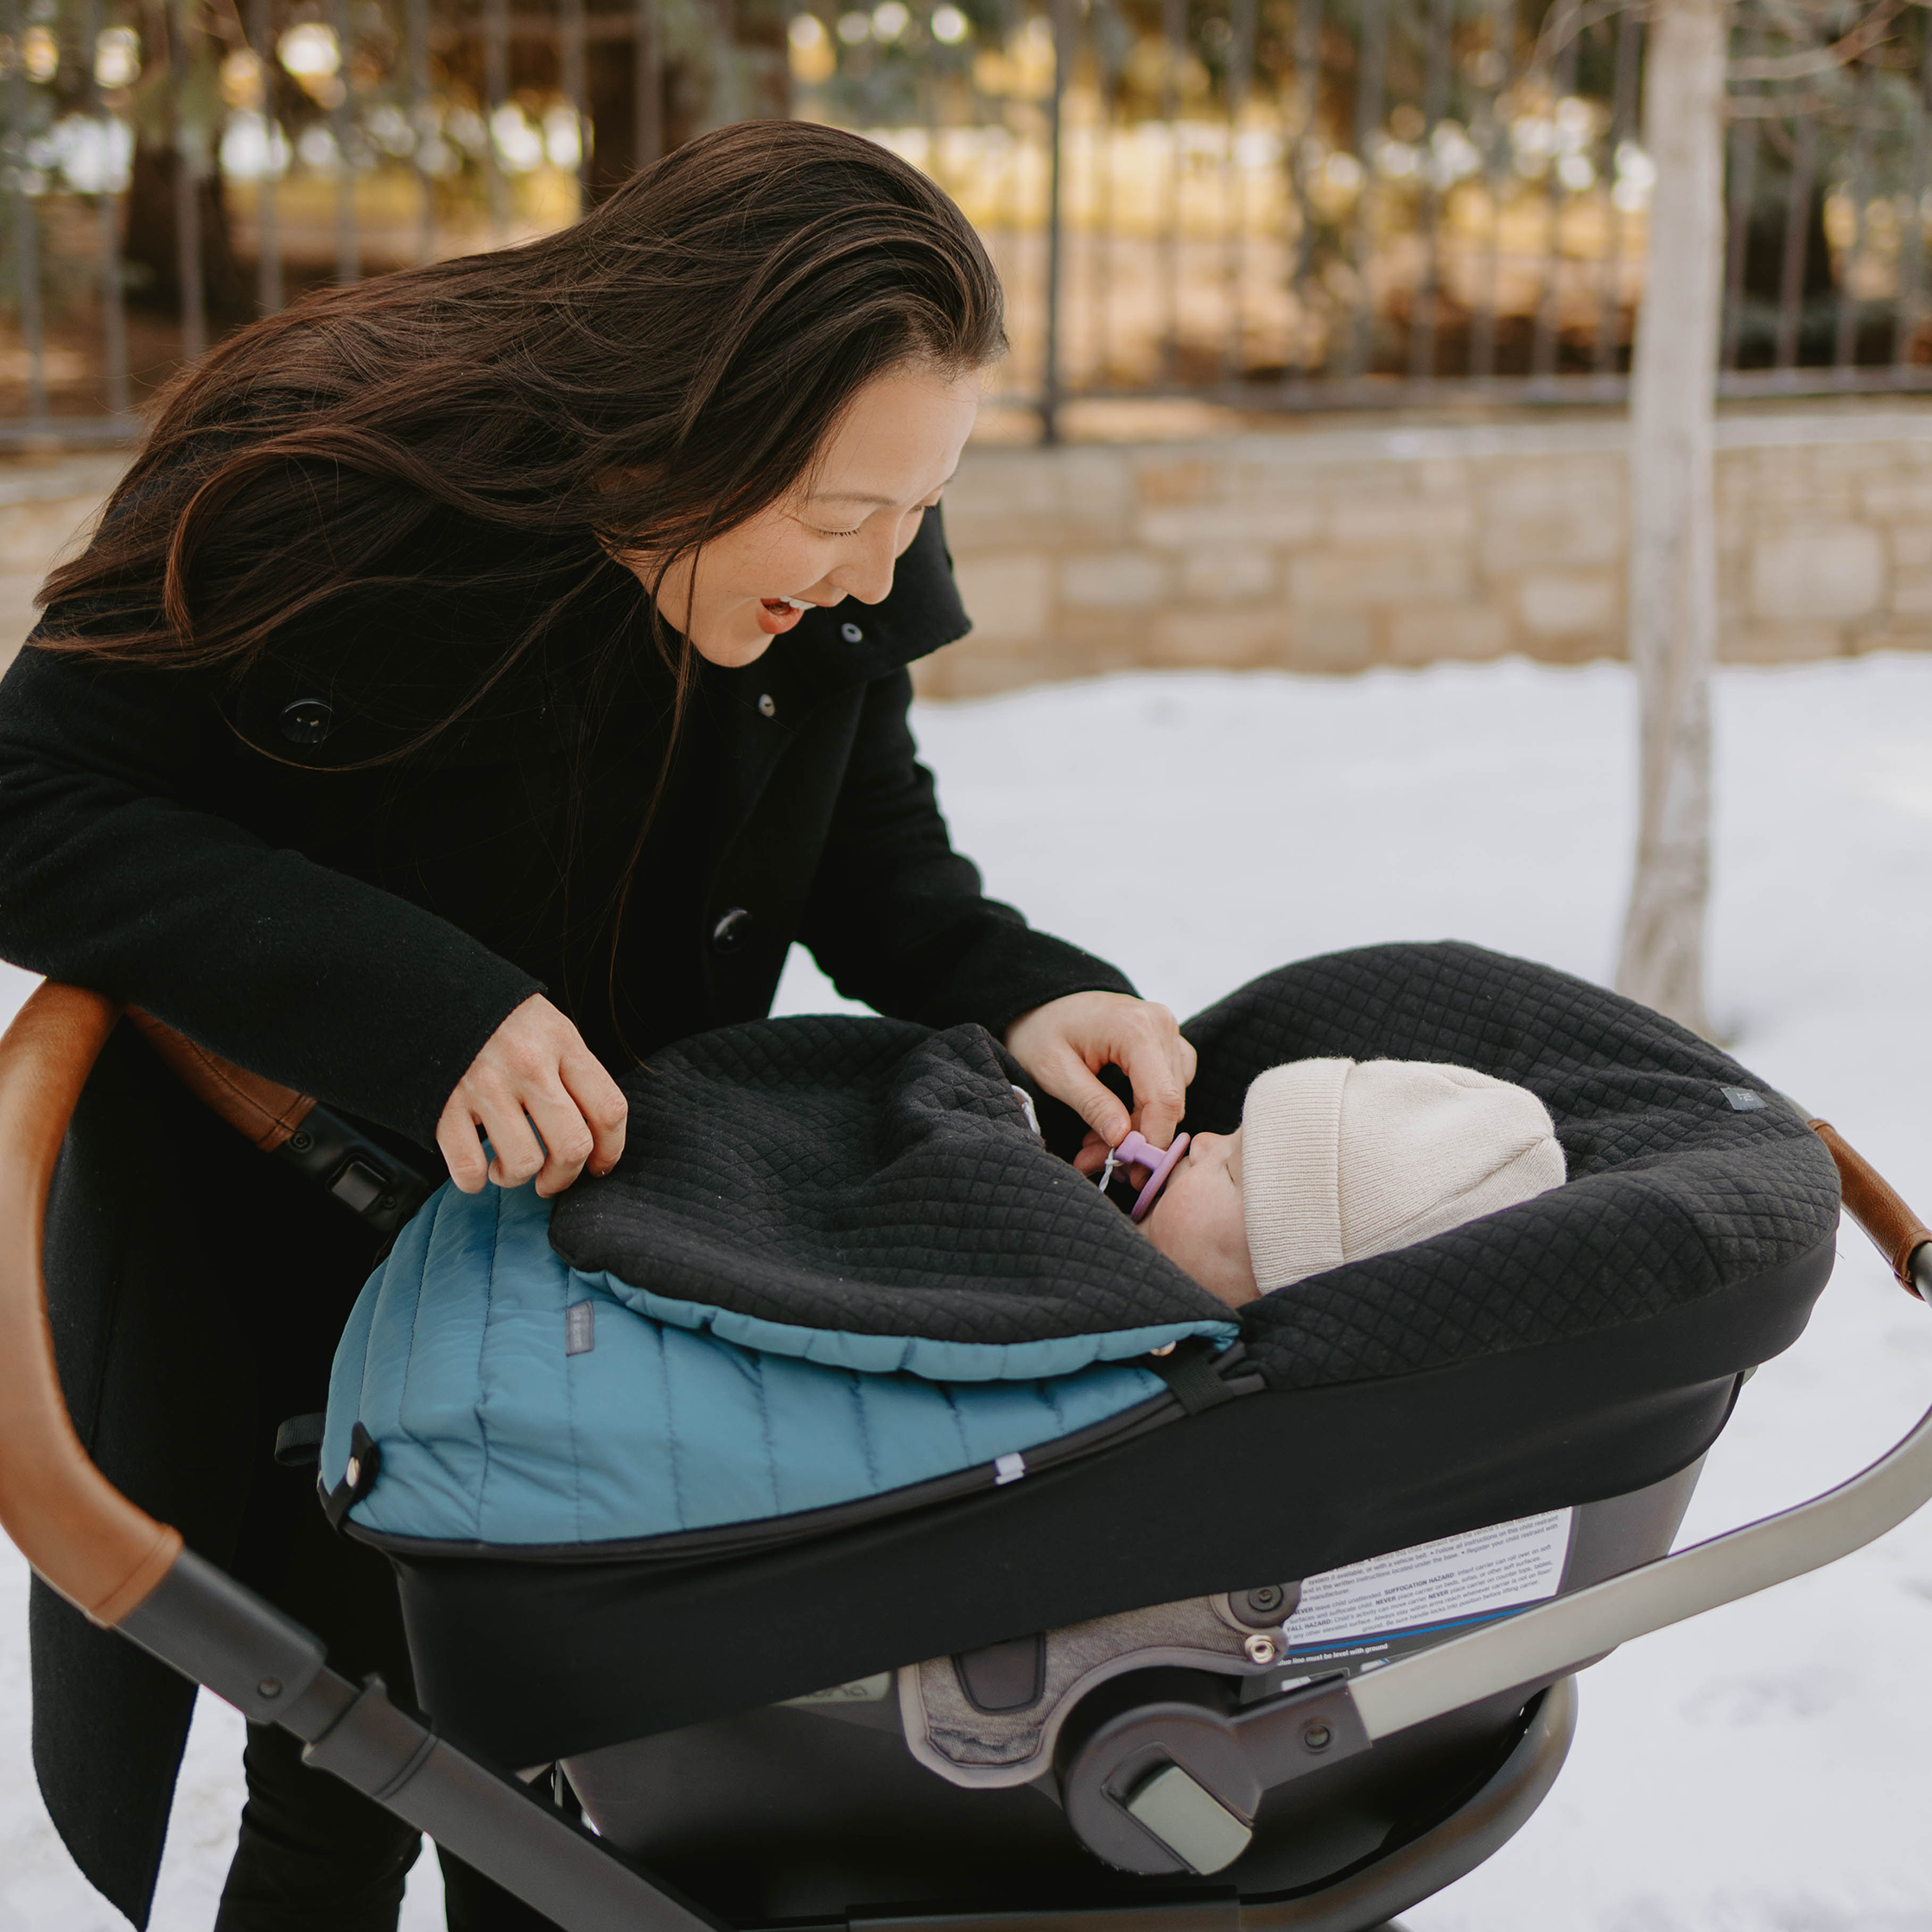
(864, 1176)
(1673, 1193)
(519, 1403)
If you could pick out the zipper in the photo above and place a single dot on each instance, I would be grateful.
(1174, 1404)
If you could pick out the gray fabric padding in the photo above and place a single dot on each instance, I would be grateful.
(950, 1735)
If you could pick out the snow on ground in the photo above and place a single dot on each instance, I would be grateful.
(1763, 1768)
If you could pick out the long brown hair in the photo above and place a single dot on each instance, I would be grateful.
(483, 432)
(647, 379)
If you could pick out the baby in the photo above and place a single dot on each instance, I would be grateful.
(1337, 1160)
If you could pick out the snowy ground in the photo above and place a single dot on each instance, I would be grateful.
(1763, 1770)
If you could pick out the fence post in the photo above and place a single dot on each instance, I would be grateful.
(1173, 28)
(267, 229)
(1609, 306)
(423, 124)
(1845, 343)
(496, 88)
(187, 194)
(1743, 186)
(571, 37)
(348, 250)
(113, 317)
(1298, 361)
(1797, 244)
(27, 253)
(1428, 293)
(1911, 239)
(1059, 14)
(1371, 77)
(1241, 71)
(1496, 177)
(650, 85)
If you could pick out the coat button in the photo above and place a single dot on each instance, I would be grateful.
(732, 931)
(850, 633)
(766, 707)
(307, 720)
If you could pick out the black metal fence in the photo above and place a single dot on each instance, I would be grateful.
(1287, 204)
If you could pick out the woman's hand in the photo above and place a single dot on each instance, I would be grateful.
(535, 1077)
(1065, 1043)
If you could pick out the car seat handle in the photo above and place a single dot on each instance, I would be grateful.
(258, 1108)
(82, 1536)
(126, 1572)
(324, 1147)
(1876, 1206)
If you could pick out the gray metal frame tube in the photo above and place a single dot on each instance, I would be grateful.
(1560, 1635)
(200, 1621)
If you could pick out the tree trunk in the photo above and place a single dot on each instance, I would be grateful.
(152, 249)
(1673, 557)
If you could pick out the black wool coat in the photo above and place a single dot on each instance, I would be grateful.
(253, 861)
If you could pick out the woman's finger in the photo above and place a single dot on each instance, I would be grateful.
(463, 1153)
(1067, 1077)
(600, 1101)
(1064, 1043)
(567, 1139)
(1149, 1054)
(516, 1152)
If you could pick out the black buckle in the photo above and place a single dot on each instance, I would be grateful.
(1192, 1374)
(368, 1180)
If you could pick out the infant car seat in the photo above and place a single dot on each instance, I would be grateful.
(1055, 1671)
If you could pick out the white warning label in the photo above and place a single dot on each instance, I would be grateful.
(1366, 1612)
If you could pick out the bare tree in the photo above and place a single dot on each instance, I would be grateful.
(1673, 554)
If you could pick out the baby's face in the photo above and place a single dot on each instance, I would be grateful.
(1197, 1221)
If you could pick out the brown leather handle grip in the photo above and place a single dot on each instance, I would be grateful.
(79, 1533)
(1875, 1204)
(264, 1112)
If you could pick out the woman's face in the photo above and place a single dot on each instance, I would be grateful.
(838, 532)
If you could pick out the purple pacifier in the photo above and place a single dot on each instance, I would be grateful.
(1135, 1152)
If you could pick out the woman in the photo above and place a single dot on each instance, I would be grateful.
(411, 733)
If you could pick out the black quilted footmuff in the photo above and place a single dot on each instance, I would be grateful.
(1580, 1345)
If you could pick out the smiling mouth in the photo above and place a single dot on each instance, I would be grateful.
(776, 615)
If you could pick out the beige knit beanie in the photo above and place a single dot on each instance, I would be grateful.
(1342, 1158)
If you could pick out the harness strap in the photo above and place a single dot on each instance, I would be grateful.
(1190, 1375)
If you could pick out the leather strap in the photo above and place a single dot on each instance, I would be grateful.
(103, 1555)
(371, 1181)
(1875, 1204)
(262, 1111)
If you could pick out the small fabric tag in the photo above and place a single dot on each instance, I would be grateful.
(1743, 1100)
(1009, 1469)
(580, 1328)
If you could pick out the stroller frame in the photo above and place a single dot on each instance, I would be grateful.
(126, 1572)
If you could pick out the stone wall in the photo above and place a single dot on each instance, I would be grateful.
(1329, 549)
(1333, 550)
